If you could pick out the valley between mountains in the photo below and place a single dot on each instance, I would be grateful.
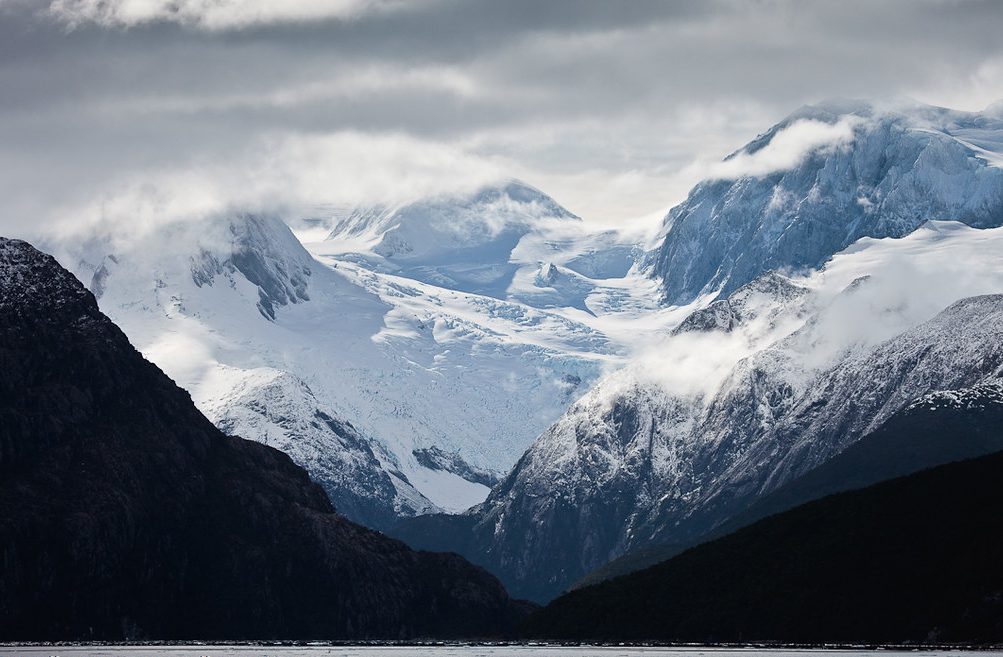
(488, 374)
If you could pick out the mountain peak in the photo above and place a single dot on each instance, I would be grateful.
(797, 194)
(831, 107)
(521, 192)
(459, 241)
(889, 108)
(30, 277)
(218, 250)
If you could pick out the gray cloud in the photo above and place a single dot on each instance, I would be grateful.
(605, 105)
(210, 14)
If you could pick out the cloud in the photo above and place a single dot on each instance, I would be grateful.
(974, 90)
(210, 14)
(897, 283)
(603, 105)
(347, 85)
(696, 364)
(865, 295)
(787, 148)
(285, 174)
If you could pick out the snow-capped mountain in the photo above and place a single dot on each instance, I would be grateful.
(508, 242)
(859, 563)
(280, 410)
(461, 243)
(206, 301)
(400, 396)
(408, 355)
(941, 427)
(821, 179)
(783, 376)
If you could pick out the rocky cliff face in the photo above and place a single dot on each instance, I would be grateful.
(124, 513)
(938, 428)
(631, 465)
(913, 559)
(897, 169)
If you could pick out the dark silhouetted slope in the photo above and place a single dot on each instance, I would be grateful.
(938, 428)
(125, 513)
(918, 558)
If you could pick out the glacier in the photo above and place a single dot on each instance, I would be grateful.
(361, 362)
(743, 396)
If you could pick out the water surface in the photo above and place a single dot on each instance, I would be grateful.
(448, 651)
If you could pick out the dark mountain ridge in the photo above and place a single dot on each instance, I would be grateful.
(967, 424)
(124, 513)
(914, 559)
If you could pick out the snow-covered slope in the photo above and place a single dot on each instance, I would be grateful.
(457, 242)
(280, 410)
(209, 302)
(741, 398)
(398, 395)
(510, 242)
(821, 179)
(408, 355)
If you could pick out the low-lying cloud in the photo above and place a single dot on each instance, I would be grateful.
(864, 296)
(787, 148)
(286, 175)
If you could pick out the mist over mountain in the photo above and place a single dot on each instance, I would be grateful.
(486, 374)
(824, 177)
(397, 321)
(348, 360)
(757, 386)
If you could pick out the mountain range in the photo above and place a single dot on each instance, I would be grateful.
(485, 373)
(914, 559)
(758, 385)
(359, 372)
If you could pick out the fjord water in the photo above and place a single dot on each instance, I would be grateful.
(440, 651)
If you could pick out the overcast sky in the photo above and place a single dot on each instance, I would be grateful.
(142, 108)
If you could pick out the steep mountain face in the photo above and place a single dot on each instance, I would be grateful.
(897, 169)
(281, 411)
(432, 392)
(914, 559)
(207, 301)
(264, 254)
(940, 427)
(771, 295)
(648, 457)
(960, 347)
(124, 513)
